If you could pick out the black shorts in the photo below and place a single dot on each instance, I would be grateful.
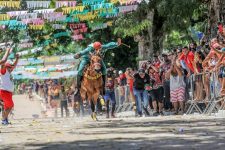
(157, 94)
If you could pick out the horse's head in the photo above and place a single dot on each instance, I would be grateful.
(96, 62)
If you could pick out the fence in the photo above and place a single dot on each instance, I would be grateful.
(203, 96)
(204, 91)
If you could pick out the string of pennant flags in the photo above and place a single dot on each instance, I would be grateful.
(71, 17)
(46, 67)
(70, 11)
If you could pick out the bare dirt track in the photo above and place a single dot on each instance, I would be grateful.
(169, 132)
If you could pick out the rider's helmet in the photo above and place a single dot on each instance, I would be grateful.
(97, 45)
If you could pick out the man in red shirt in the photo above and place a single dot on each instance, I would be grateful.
(6, 88)
(188, 57)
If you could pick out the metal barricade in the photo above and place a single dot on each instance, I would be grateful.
(208, 85)
(123, 99)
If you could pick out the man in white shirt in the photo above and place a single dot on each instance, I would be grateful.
(6, 88)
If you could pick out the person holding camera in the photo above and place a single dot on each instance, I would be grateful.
(141, 79)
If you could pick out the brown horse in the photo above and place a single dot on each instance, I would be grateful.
(92, 83)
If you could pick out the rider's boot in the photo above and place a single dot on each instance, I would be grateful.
(113, 110)
(79, 79)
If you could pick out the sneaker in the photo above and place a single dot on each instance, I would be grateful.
(155, 114)
(161, 113)
(146, 112)
(5, 122)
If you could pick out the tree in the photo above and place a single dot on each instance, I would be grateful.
(216, 14)
(165, 17)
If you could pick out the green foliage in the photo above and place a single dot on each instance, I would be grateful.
(129, 28)
(175, 39)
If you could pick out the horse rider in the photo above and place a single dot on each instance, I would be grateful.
(98, 48)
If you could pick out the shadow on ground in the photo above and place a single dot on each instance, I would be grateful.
(195, 134)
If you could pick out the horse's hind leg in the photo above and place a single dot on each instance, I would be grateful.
(92, 106)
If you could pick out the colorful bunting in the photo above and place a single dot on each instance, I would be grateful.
(59, 4)
(58, 26)
(44, 11)
(124, 9)
(57, 35)
(68, 10)
(25, 45)
(38, 4)
(92, 2)
(4, 17)
(11, 4)
(27, 16)
(16, 13)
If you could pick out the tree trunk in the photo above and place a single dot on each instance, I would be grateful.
(145, 41)
(216, 14)
(151, 42)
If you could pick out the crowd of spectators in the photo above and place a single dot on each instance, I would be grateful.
(163, 83)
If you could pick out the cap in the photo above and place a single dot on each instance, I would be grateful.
(97, 45)
(120, 72)
(141, 70)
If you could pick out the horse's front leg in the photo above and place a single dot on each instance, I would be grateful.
(94, 105)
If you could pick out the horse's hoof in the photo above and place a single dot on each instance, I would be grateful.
(94, 116)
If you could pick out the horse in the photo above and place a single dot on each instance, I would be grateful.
(92, 83)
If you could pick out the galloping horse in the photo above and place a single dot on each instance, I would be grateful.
(92, 83)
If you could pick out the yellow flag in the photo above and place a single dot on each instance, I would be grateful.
(11, 4)
(4, 17)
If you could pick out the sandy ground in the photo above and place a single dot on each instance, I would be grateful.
(170, 132)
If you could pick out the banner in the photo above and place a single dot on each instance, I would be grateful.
(34, 61)
(27, 16)
(17, 25)
(4, 17)
(58, 26)
(124, 9)
(22, 62)
(57, 35)
(36, 21)
(126, 2)
(25, 45)
(36, 27)
(11, 4)
(86, 17)
(79, 28)
(16, 13)
(77, 25)
(38, 4)
(44, 11)
(92, 2)
(59, 4)
(51, 60)
(100, 6)
(77, 37)
(30, 51)
(68, 10)
(51, 17)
